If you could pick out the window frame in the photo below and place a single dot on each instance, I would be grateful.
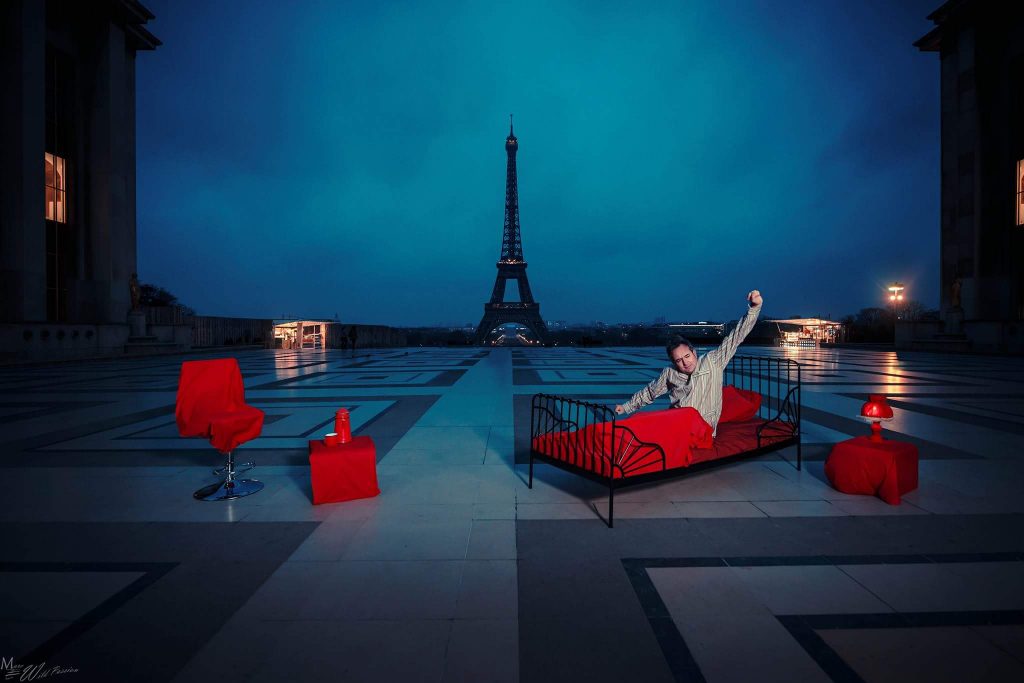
(55, 209)
(1020, 192)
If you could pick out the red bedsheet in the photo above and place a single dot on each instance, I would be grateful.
(738, 437)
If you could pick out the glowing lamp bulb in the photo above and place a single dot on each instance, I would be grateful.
(876, 411)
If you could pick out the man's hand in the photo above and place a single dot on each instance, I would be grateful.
(754, 298)
(619, 410)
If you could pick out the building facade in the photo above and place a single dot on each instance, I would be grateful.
(980, 46)
(67, 174)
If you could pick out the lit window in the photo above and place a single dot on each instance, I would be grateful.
(1020, 192)
(56, 188)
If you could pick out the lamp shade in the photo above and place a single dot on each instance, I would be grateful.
(876, 408)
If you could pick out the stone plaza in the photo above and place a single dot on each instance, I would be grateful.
(460, 572)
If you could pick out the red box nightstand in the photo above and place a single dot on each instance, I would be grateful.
(344, 472)
(886, 468)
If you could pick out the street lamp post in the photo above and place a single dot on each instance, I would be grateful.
(896, 297)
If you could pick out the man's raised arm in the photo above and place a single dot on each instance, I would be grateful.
(646, 395)
(727, 349)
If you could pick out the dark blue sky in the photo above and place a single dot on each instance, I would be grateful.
(348, 157)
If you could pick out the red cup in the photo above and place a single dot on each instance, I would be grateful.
(342, 426)
(331, 439)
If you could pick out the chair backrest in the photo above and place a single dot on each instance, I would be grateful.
(206, 387)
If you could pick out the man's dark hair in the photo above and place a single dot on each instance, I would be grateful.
(675, 341)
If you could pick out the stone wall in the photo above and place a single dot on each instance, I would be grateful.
(208, 330)
(52, 341)
(339, 336)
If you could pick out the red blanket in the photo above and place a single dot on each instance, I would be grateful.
(676, 431)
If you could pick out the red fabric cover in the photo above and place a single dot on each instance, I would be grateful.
(211, 404)
(886, 469)
(733, 438)
(738, 405)
(676, 430)
(343, 472)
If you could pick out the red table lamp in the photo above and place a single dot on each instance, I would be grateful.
(875, 411)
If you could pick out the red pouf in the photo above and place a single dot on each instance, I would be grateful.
(344, 472)
(886, 469)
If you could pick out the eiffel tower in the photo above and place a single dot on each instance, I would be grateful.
(511, 266)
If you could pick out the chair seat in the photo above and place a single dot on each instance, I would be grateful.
(229, 429)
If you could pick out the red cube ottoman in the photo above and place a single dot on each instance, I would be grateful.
(886, 469)
(344, 472)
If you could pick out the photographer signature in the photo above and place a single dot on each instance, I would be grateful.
(32, 672)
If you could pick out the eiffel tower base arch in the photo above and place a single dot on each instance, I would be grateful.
(496, 315)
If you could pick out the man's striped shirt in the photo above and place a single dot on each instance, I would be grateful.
(703, 389)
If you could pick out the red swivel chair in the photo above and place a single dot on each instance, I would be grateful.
(211, 404)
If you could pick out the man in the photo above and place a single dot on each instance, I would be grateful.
(697, 382)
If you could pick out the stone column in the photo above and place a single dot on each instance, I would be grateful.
(111, 234)
(22, 173)
(128, 253)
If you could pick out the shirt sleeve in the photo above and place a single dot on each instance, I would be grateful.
(727, 349)
(646, 396)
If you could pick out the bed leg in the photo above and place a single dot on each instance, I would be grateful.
(799, 453)
(530, 484)
(611, 503)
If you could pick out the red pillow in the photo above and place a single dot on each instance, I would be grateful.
(738, 404)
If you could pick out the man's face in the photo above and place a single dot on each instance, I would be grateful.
(683, 359)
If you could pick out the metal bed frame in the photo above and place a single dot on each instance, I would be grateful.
(591, 426)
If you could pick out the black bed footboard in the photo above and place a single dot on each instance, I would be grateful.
(586, 438)
(587, 435)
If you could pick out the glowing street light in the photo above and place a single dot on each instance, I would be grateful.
(896, 292)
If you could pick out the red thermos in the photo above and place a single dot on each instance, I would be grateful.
(342, 426)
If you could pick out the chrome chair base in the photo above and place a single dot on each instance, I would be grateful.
(229, 489)
(224, 469)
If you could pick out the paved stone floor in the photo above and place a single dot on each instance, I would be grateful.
(459, 572)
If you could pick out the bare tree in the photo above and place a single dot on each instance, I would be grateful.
(913, 310)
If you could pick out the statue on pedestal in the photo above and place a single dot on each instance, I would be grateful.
(136, 316)
(134, 292)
